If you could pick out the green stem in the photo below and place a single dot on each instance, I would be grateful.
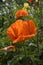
(25, 53)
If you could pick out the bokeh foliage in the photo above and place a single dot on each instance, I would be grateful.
(29, 52)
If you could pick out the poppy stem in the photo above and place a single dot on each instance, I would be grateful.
(25, 53)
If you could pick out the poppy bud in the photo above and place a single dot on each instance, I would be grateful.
(26, 5)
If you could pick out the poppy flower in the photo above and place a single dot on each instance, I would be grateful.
(29, 1)
(21, 13)
(21, 30)
(8, 48)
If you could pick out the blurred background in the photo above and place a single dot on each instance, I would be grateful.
(33, 52)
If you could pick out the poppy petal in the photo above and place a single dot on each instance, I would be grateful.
(21, 13)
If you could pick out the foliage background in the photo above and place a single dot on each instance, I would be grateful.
(29, 52)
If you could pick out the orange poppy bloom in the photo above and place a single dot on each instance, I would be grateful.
(21, 13)
(8, 48)
(29, 0)
(21, 30)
